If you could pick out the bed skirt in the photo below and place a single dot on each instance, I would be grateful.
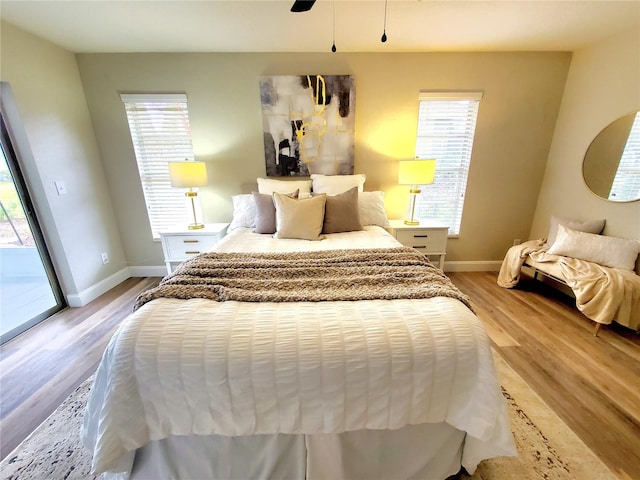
(426, 451)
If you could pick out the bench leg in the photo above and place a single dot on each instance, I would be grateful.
(597, 329)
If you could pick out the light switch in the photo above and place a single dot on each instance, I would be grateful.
(60, 187)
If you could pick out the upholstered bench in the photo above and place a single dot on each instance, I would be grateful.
(602, 272)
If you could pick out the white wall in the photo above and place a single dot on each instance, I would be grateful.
(603, 84)
(50, 100)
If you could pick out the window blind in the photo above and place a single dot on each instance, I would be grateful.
(446, 128)
(160, 131)
(626, 183)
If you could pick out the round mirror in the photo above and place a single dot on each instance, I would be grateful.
(611, 166)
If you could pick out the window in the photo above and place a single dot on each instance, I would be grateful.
(446, 127)
(159, 125)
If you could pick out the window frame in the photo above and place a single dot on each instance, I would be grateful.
(434, 200)
(150, 116)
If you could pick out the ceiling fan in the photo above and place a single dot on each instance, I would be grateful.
(302, 5)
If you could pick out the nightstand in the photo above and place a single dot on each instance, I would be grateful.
(428, 237)
(180, 244)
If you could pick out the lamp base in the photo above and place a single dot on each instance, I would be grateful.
(414, 193)
(195, 225)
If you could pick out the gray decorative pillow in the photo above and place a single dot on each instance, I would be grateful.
(266, 211)
(342, 213)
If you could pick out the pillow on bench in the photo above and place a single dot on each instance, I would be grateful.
(588, 226)
(611, 252)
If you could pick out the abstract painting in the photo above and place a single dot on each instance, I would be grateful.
(308, 123)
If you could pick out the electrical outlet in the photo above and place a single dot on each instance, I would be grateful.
(516, 241)
(105, 258)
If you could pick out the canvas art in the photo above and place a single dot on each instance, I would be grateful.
(308, 124)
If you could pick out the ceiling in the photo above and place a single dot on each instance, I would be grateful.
(269, 26)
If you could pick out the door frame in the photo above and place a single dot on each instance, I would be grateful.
(13, 161)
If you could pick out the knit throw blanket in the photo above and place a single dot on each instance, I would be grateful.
(334, 275)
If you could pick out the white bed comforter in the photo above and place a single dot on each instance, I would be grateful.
(182, 367)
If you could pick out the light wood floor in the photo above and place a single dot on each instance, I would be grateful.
(592, 383)
(42, 366)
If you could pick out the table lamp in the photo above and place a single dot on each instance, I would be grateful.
(416, 173)
(189, 175)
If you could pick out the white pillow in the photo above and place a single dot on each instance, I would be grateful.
(372, 210)
(271, 186)
(589, 226)
(337, 184)
(299, 218)
(244, 212)
(611, 252)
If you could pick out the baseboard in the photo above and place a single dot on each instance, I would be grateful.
(151, 271)
(473, 266)
(94, 291)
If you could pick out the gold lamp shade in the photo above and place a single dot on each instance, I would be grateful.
(415, 173)
(188, 175)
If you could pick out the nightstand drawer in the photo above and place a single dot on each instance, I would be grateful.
(181, 247)
(430, 238)
(181, 244)
(424, 239)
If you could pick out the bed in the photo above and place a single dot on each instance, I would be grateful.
(234, 387)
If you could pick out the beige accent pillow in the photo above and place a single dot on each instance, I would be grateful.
(336, 184)
(342, 213)
(299, 218)
(271, 186)
(589, 226)
(611, 252)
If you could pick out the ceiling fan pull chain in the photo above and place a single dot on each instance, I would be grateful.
(384, 28)
(333, 47)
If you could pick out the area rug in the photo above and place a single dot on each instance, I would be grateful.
(547, 448)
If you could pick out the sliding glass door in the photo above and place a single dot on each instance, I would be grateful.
(29, 290)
